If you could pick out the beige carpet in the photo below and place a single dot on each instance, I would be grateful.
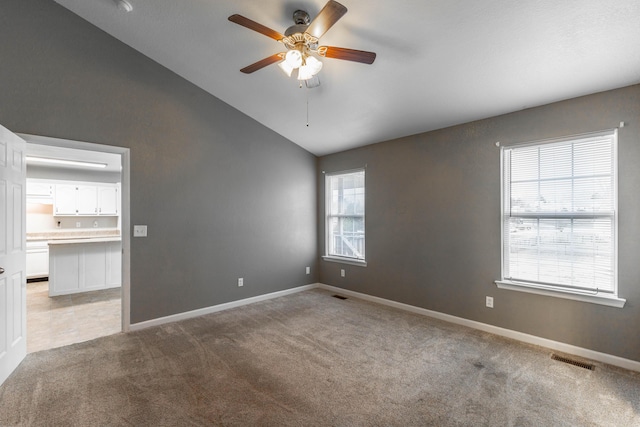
(309, 359)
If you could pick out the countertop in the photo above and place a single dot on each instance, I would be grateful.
(75, 236)
(84, 240)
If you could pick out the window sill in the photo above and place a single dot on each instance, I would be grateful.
(603, 299)
(350, 261)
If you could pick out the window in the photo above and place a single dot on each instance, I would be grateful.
(559, 217)
(345, 216)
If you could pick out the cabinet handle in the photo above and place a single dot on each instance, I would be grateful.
(1, 270)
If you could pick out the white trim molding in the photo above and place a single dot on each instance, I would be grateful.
(603, 299)
(350, 261)
(220, 307)
(496, 330)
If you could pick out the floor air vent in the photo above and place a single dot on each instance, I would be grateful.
(339, 297)
(588, 366)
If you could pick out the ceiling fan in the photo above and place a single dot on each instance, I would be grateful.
(302, 43)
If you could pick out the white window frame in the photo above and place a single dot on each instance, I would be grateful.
(329, 216)
(609, 298)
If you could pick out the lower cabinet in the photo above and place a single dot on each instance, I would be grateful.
(37, 259)
(83, 267)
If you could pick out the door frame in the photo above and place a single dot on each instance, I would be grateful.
(125, 155)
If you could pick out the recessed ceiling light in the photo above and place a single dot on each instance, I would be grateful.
(124, 5)
(46, 160)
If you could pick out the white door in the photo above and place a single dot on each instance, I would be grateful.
(13, 281)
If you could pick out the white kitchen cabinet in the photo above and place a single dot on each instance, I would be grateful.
(107, 200)
(37, 259)
(77, 266)
(86, 199)
(64, 270)
(65, 199)
(114, 265)
(38, 189)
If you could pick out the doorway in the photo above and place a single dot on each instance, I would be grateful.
(81, 315)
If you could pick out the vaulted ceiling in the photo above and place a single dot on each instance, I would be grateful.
(439, 62)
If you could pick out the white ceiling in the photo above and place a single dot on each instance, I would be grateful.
(439, 63)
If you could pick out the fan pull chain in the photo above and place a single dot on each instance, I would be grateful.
(307, 108)
(307, 97)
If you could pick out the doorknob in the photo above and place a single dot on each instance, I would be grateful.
(1, 270)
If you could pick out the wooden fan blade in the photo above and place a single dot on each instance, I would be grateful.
(347, 54)
(263, 63)
(253, 25)
(329, 15)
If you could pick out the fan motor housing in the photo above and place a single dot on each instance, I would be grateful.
(301, 17)
(298, 28)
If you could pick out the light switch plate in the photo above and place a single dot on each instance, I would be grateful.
(139, 231)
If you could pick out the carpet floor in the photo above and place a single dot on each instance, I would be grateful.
(309, 359)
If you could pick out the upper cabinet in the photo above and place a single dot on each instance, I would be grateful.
(107, 199)
(39, 192)
(85, 199)
(65, 201)
(39, 189)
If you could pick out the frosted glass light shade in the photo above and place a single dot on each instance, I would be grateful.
(284, 66)
(311, 68)
(293, 58)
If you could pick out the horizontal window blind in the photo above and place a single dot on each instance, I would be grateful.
(559, 213)
(345, 215)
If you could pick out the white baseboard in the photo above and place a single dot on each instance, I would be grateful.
(219, 307)
(508, 333)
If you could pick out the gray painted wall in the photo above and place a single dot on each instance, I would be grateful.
(223, 196)
(433, 223)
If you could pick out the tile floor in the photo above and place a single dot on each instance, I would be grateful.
(68, 319)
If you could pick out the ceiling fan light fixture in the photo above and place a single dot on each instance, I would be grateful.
(312, 82)
(301, 41)
(315, 65)
(293, 58)
(286, 68)
(311, 67)
(304, 73)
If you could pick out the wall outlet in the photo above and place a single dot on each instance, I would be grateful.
(78, 224)
(308, 270)
(342, 272)
(489, 302)
(240, 281)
